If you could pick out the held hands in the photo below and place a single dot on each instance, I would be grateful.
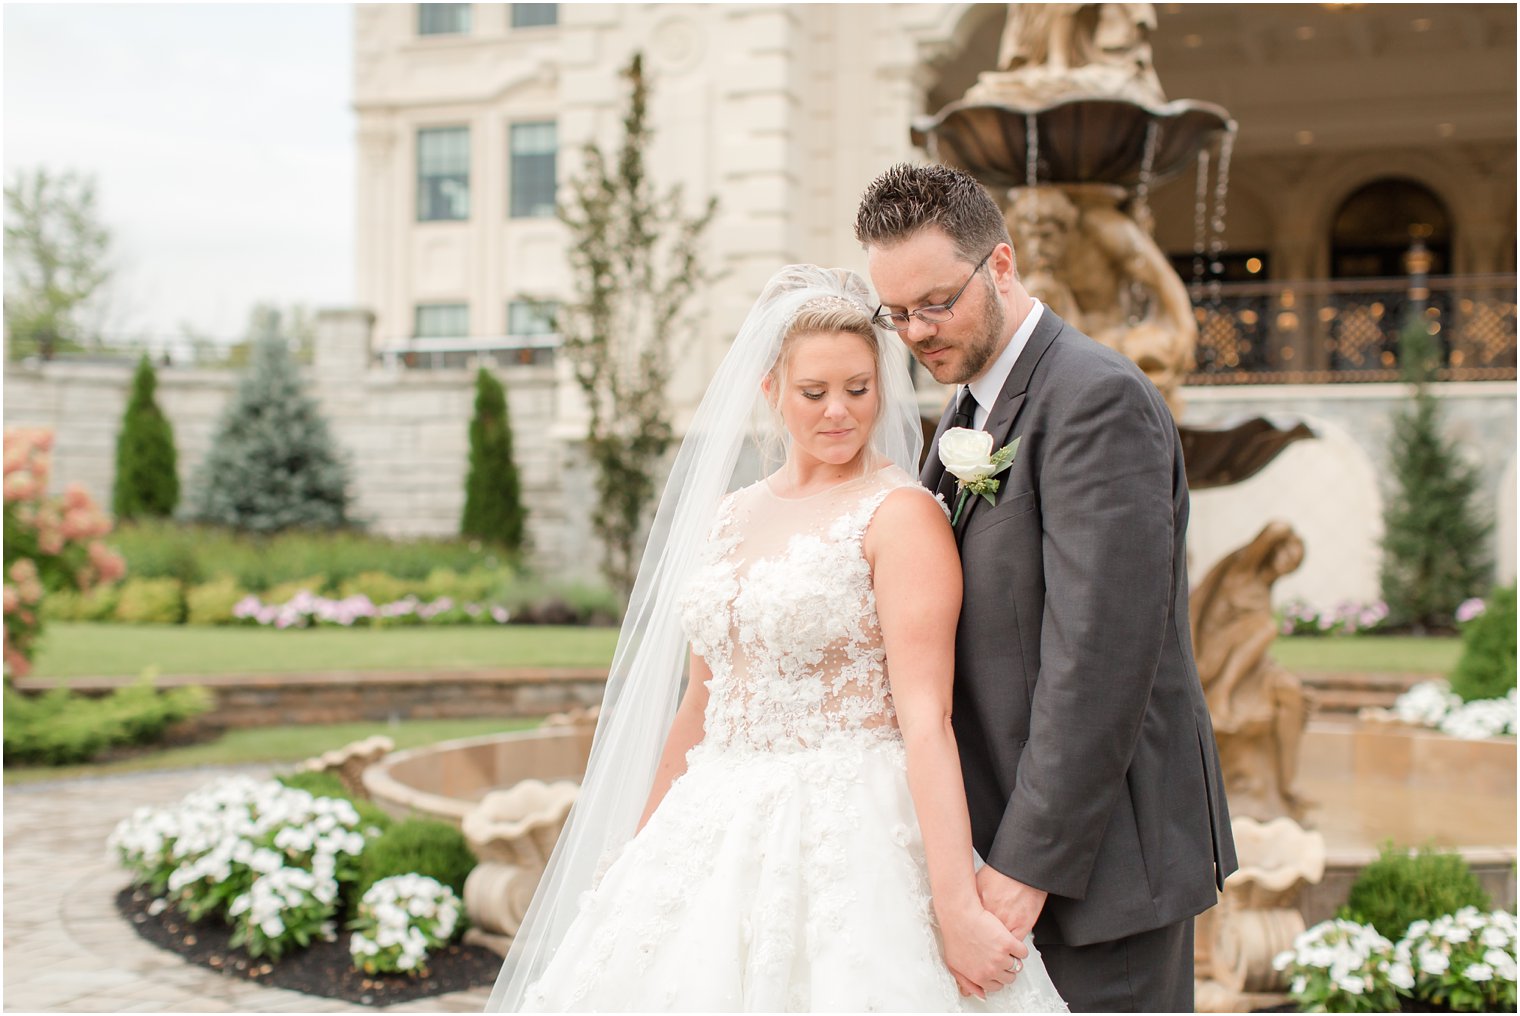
(1017, 905)
(982, 954)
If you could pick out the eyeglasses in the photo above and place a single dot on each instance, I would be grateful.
(934, 314)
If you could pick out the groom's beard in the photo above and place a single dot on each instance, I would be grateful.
(979, 351)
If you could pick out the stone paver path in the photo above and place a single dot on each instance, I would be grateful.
(66, 947)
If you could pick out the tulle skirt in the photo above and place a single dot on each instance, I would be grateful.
(773, 881)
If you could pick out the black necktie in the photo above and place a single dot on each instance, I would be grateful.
(965, 409)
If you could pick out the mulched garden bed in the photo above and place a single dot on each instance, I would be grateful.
(323, 968)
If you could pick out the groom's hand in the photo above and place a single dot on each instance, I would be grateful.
(1017, 905)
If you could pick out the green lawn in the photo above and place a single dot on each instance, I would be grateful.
(274, 745)
(105, 650)
(1369, 653)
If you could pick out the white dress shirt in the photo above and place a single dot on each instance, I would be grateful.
(986, 388)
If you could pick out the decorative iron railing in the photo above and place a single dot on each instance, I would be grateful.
(460, 353)
(1323, 330)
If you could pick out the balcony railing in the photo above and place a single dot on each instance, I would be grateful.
(1348, 330)
(463, 353)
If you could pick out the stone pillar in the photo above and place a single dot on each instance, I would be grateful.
(343, 343)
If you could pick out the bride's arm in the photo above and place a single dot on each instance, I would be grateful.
(917, 580)
(685, 734)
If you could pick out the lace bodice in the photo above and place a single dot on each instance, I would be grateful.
(781, 609)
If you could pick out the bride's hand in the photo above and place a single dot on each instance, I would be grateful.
(979, 951)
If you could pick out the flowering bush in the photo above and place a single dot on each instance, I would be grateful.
(307, 609)
(1463, 961)
(1470, 610)
(1432, 704)
(288, 907)
(51, 543)
(1346, 618)
(1342, 966)
(400, 918)
(210, 852)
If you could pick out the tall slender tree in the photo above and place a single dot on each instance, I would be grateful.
(1435, 538)
(147, 481)
(493, 508)
(634, 257)
(273, 465)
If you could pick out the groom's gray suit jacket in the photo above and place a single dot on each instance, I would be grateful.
(1089, 758)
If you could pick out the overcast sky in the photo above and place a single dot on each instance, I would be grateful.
(221, 140)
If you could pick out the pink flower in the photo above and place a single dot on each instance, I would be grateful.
(76, 497)
(12, 599)
(110, 564)
(1470, 609)
(24, 570)
(18, 665)
(50, 541)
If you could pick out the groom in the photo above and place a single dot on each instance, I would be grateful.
(1088, 756)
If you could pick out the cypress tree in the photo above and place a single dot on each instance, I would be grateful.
(493, 508)
(1435, 551)
(273, 464)
(147, 483)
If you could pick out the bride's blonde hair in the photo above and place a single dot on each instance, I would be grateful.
(824, 315)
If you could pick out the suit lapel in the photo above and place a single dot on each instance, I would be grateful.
(1005, 411)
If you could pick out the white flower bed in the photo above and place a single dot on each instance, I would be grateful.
(265, 856)
(1464, 962)
(400, 920)
(1342, 966)
(1432, 704)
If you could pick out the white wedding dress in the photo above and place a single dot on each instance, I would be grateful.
(784, 871)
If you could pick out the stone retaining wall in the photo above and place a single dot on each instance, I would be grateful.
(261, 700)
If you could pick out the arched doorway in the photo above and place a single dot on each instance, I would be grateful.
(1371, 237)
(1374, 226)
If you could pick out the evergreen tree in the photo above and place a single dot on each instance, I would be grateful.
(272, 465)
(1435, 551)
(493, 508)
(147, 484)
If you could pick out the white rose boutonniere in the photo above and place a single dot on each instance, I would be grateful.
(968, 456)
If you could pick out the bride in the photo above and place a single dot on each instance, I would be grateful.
(793, 835)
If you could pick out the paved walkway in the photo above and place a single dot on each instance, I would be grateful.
(66, 947)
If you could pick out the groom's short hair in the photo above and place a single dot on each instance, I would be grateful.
(907, 198)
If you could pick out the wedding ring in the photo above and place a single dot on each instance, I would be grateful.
(1018, 966)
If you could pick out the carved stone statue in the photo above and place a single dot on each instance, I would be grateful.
(1096, 267)
(1050, 52)
(513, 832)
(1235, 942)
(1258, 707)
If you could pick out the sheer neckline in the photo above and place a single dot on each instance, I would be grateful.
(841, 485)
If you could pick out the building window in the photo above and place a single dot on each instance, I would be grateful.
(443, 19)
(526, 317)
(533, 154)
(530, 331)
(443, 173)
(442, 321)
(534, 15)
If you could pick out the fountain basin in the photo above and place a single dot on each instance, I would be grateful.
(1374, 782)
(1078, 140)
(445, 781)
(1369, 782)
